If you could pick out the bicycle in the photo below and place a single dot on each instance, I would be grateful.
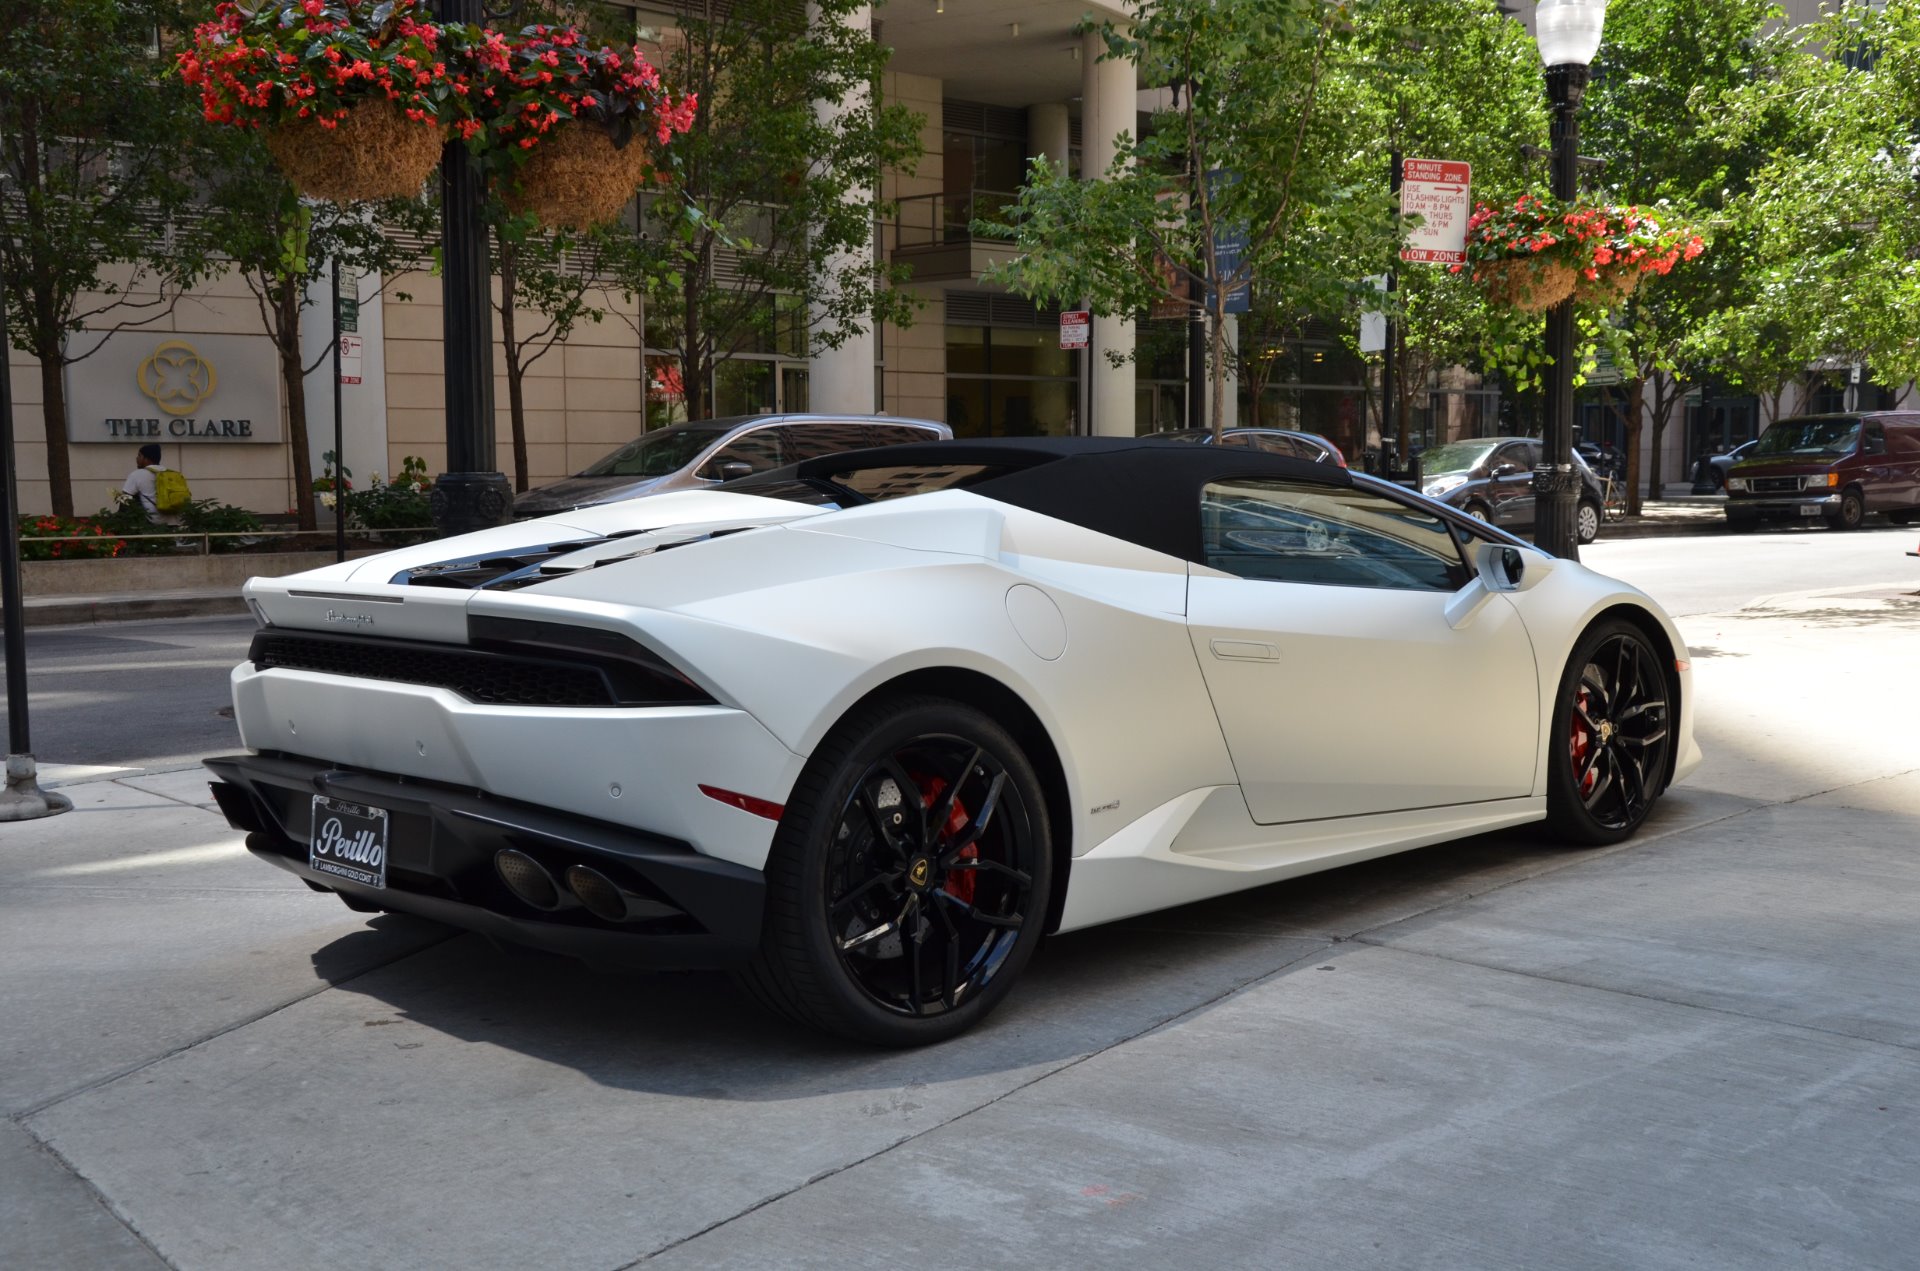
(1613, 498)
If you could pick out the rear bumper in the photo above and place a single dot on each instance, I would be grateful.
(699, 911)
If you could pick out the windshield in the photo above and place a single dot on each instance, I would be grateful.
(657, 454)
(1459, 456)
(1808, 437)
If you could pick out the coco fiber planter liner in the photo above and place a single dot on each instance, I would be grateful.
(577, 178)
(1527, 285)
(376, 152)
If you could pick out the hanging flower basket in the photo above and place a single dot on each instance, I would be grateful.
(1529, 285)
(373, 152)
(573, 129)
(355, 97)
(1537, 253)
(1606, 287)
(576, 178)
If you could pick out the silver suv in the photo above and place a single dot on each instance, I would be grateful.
(693, 456)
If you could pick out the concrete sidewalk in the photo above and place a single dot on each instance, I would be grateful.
(1699, 1049)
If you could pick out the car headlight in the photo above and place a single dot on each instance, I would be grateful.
(1441, 486)
(1737, 485)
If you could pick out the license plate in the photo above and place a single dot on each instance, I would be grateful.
(1809, 509)
(349, 841)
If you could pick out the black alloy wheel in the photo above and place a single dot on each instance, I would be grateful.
(1852, 513)
(909, 880)
(1612, 738)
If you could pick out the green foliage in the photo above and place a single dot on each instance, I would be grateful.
(1830, 213)
(89, 163)
(400, 504)
(764, 175)
(68, 538)
(1265, 92)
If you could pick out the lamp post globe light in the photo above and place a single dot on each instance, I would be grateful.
(1568, 32)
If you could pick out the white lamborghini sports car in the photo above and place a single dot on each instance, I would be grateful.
(867, 728)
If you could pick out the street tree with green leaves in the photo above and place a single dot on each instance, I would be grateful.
(561, 279)
(91, 140)
(1459, 80)
(1834, 209)
(767, 194)
(1258, 148)
(1668, 73)
(252, 221)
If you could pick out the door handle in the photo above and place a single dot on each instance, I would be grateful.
(1245, 651)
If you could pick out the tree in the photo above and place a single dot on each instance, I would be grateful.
(253, 221)
(1833, 209)
(90, 141)
(561, 277)
(1257, 149)
(1445, 79)
(1667, 72)
(767, 193)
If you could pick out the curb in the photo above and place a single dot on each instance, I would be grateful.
(68, 611)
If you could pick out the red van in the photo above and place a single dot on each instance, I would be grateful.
(1839, 467)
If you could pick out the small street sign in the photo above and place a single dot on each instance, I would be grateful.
(1439, 191)
(349, 313)
(1074, 328)
(351, 347)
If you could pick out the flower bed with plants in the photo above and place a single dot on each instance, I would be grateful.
(1534, 254)
(356, 98)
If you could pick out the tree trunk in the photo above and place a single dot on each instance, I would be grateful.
(53, 395)
(1217, 367)
(516, 370)
(694, 379)
(1636, 409)
(286, 312)
(1403, 390)
(1665, 388)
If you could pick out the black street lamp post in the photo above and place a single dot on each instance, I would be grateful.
(1569, 35)
(470, 495)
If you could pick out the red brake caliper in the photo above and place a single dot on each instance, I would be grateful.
(1582, 743)
(960, 882)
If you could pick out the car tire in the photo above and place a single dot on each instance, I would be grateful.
(878, 928)
(1611, 744)
(1586, 521)
(1852, 513)
(1479, 512)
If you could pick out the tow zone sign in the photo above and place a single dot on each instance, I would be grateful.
(1439, 191)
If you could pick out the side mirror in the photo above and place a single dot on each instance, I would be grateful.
(730, 469)
(1508, 470)
(1504, 568)
(1874, 446)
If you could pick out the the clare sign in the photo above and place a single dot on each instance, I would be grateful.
(159, 386)
(1439, 192)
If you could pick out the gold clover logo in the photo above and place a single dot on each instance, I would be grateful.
(177, 378)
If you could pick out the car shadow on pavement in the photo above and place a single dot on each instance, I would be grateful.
(697, 1035)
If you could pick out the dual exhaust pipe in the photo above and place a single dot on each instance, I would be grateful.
(592, 890)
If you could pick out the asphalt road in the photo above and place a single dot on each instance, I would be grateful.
(1715, 573)
(133, 694)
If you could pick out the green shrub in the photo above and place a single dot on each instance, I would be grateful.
(66, 538)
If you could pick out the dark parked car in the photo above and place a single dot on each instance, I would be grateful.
(1272, 441)
(1710, 473)
(1491, 479)
(1837, 467)
(694, 456)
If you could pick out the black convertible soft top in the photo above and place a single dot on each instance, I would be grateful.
(1140, 490)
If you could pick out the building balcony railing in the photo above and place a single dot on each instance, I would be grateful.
(946, 217)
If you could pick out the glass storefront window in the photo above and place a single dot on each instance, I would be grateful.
(1011, 382)
(743, 387)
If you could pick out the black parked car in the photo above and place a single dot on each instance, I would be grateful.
(1491, 479)
(1710, 474)
(1274, 441)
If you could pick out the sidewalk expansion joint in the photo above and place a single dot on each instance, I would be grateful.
(23, 1115)
(101, 1199)
(1068, 1065)
(1543, 977)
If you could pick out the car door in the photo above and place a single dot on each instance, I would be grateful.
(1321, 628)
(757, 448)
(1903, 449)
(1511, 495)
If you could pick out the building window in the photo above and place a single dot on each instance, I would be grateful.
(1007, 375)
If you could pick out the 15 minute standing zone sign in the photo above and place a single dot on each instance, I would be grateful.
(1439, 192)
